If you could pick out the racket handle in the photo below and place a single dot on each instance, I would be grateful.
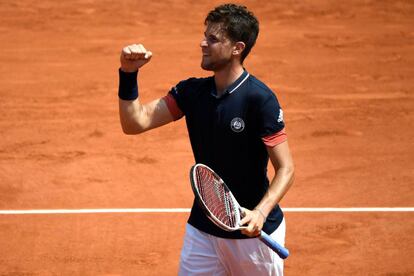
(277, 248)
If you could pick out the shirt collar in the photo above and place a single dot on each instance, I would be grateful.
(232, 87)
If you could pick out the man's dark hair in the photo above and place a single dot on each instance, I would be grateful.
(238, 23)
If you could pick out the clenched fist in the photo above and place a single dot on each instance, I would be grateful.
(134, 57)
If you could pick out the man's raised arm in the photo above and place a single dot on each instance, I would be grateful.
(136, 117)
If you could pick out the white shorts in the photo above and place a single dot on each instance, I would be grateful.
(204, 254)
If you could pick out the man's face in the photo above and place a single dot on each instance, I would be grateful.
(216, 48)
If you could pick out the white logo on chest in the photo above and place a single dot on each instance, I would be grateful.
(237, 124)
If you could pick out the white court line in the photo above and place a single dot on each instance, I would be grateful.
(95, 211)
(351, 209)
(186, 210)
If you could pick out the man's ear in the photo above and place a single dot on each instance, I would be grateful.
(238, 48)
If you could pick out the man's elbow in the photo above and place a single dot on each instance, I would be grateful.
(291, 173)
(288, 170)
(129, 129)
(291, 169)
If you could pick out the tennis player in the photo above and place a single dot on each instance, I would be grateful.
(235, 125)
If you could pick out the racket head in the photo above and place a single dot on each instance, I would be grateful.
(215, 198)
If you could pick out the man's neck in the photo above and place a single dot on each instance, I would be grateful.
(226, 76)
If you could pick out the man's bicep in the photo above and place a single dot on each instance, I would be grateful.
(280, 155)
(157, 114)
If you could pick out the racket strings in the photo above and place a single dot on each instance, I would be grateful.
(216, 197)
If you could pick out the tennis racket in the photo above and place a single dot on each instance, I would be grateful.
(221, 207)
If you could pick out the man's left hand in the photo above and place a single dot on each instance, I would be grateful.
(254, 221)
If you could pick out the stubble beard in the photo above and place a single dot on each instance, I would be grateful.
(214, 65)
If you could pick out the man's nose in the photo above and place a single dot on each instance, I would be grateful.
(203, 43)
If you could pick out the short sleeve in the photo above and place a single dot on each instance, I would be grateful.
(176, 99)
(172, 105)
(180, 99)
(271, 123)
(180, 93)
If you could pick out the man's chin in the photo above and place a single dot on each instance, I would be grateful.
(206, 67)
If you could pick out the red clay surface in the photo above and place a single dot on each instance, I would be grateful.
(343, 72)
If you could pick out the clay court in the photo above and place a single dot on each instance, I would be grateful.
(343, 72)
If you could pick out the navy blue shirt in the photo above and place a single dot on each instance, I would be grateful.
(226, 134)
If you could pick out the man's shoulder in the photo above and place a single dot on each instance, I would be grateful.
(259, 85)
(187, 90)
(194, 82)
(259, 90)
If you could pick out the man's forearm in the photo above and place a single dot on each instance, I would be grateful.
(279, 185)
(129, 114)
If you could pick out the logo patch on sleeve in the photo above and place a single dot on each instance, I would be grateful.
(280, 119)
(237, 124)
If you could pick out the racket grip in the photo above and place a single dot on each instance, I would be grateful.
(277, 248)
